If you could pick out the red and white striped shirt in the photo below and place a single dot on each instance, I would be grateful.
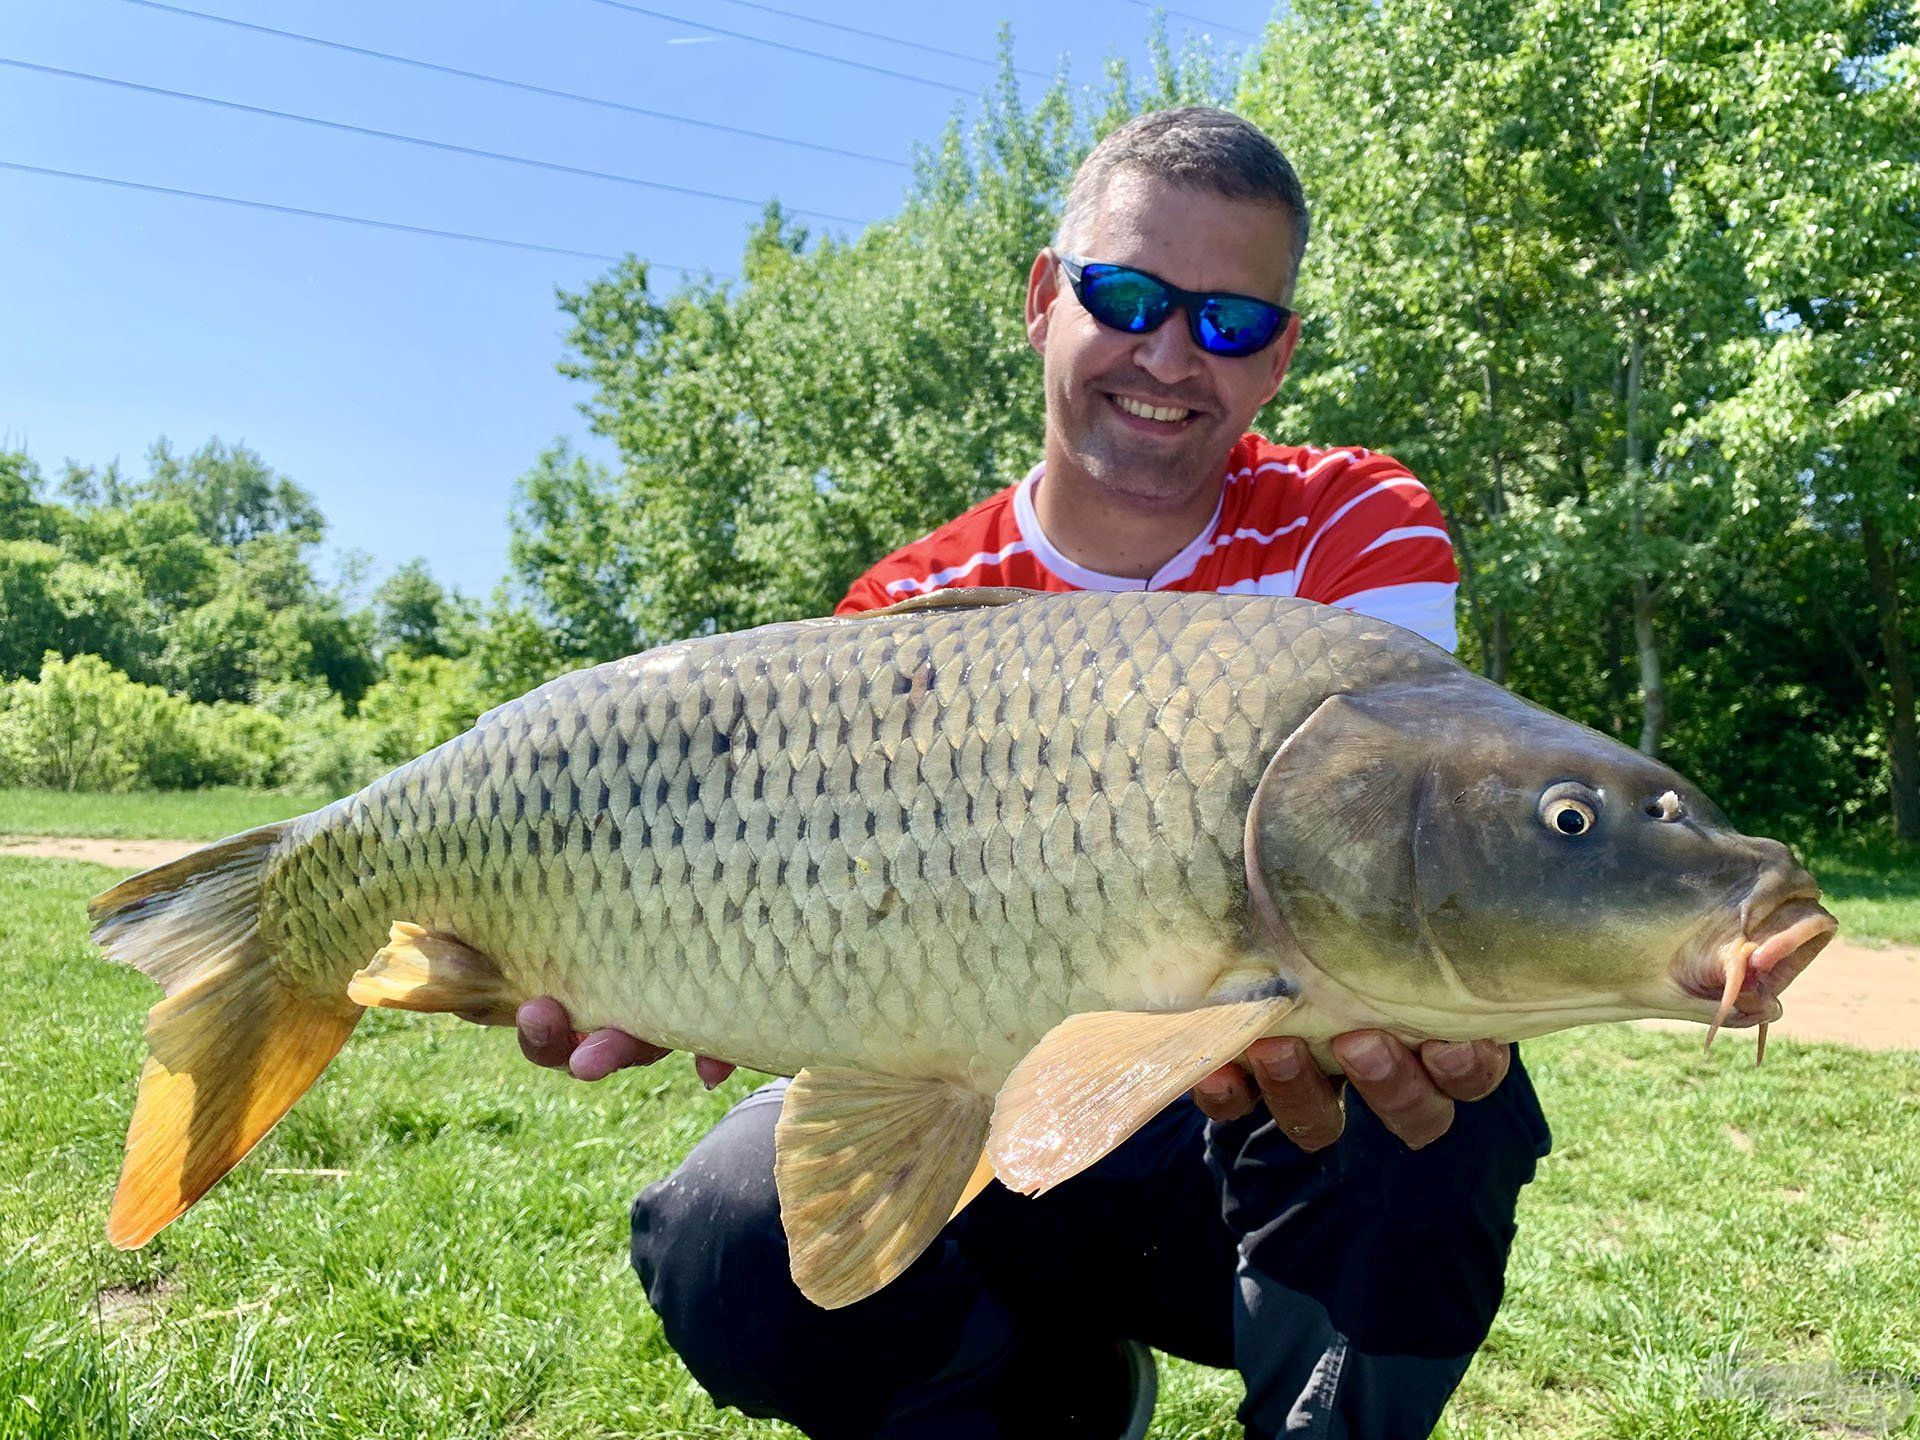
(1342, 526)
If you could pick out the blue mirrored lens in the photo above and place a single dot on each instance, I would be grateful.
(1124, 299)
(1234, 326)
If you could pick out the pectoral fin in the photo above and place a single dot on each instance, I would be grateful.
(1096, 1078)
(419, 970)
(869, 1167)
(981, 1178)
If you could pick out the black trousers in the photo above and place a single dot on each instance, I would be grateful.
(1350, 1288)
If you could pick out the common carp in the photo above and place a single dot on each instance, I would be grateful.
(994, 875)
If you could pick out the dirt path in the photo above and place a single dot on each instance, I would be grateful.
(1853, 994)
(125, 854)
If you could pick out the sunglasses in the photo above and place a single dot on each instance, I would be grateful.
(1221, 323)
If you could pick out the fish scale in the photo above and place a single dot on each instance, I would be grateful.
(994, 877)
(990, 818)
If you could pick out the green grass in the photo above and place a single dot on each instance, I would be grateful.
(1705, 1239)
(149, 814)
(1873, 885)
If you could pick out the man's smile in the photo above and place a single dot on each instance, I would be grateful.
(1159, 419)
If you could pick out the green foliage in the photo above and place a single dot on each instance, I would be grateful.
(1554, 244)
(779, 436)
(415, 617)
(421, 702)
(325, 749)
(196, 578)
(22, 516)
(82, 725)
(232, 494)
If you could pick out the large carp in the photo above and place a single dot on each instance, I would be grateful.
(996, 876)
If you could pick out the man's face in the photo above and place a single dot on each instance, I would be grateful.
(1191, 238)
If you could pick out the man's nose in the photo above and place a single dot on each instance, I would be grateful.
(1168, 353)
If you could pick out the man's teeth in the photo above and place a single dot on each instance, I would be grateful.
(1150, 412)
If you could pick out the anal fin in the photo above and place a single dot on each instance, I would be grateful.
(869, 1167)
(419, 970)
(1096, 1078)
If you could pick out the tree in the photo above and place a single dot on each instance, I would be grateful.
(415, 617)
(1825, 197)
(232, 493)
(1523, 282)
(569, 550)
(22, 516)
(779, 436)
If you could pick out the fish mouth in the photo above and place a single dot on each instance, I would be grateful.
(1782, 928)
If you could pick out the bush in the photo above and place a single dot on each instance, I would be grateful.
(324, 749)
(83, 725)
(421, 702)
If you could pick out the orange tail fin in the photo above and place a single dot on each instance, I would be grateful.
(232, 1046)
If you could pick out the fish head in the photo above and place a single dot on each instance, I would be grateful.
(1451, 860)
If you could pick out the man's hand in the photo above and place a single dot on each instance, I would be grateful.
(1412, 1094)
(547, 1037)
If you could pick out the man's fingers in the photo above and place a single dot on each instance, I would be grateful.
(546, 1032)
(1226, 1094)
(710, 1070)
(605, 1051)
(1302, 1101)
(1467, 1070)
(1395, 1085)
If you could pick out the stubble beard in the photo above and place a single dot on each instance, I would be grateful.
(1138, 472)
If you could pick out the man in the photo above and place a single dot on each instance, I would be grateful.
(1347, 1262)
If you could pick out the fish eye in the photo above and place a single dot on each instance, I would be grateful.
(1569, 809)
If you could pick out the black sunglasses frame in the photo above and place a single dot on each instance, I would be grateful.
(1190, 301)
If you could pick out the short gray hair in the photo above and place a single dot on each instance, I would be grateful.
(1198, 146)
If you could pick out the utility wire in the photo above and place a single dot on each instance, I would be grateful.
(334, 215)
(782, 45)
(416, 139)
(878, 35)
(1197, 19)
(524, 85)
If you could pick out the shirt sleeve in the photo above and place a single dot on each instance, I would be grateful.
(1378, 544)
(866, 593)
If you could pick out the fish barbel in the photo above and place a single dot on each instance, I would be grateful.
(995, 876)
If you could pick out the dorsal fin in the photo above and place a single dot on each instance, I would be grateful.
(959, 597)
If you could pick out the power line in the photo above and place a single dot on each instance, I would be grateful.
(878, 35)
(524, 85)
(782, 45)
(1197, 19)
(446, 145)
(334, 215)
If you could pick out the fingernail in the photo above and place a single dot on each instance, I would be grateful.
(538, 1032)
(1369, 1058)
(1214, 1092)
(587, 1052)
(1283, 1066)
(1454, 1060)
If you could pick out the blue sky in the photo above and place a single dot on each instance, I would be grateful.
(408, 380)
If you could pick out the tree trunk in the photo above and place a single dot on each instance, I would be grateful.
(1903, 729)
(1653, 686)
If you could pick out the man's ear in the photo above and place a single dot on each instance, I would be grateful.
(1281, 354)
(1043, 288)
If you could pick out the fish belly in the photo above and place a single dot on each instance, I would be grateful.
(907, 843)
